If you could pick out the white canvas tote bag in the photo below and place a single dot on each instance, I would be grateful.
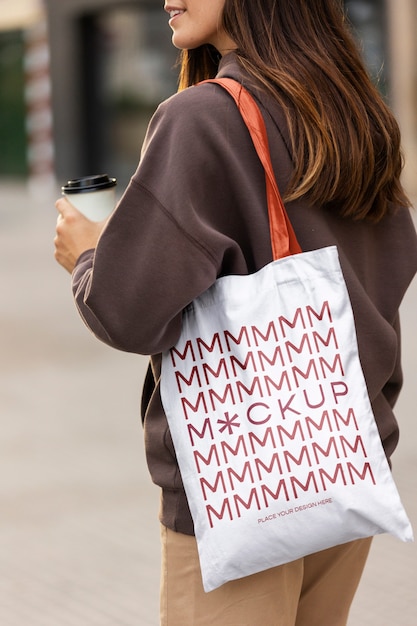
(268, 409)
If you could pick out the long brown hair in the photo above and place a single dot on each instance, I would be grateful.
(345, 141)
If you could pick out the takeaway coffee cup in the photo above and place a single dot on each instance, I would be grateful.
(94, 196)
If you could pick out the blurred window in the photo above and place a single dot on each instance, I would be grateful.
(368, 18)
(13, 160)
(128, 66)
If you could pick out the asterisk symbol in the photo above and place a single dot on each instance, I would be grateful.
(229, 423)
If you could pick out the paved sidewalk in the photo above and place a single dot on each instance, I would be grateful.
(79, 541)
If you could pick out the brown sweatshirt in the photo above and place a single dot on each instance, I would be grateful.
(195, 210)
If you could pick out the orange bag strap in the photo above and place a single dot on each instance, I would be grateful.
(283, 239)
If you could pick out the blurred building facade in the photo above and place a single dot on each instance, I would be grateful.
(111, 62)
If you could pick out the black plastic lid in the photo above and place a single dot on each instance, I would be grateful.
(89, 183)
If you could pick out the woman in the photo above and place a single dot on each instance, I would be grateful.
(195, 210)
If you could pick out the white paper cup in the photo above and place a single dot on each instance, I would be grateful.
(94, 196)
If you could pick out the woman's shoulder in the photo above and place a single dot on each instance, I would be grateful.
(204, 114)
(203, 95)
(203, 99)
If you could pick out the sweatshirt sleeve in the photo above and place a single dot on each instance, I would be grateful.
(173, 231)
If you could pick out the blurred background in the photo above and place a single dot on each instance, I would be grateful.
(79, 80)
(111, 62)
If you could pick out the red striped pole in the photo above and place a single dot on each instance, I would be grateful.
(39, 127)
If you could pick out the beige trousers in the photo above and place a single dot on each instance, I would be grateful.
(314, 591)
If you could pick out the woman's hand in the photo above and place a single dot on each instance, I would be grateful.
(74, 234)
